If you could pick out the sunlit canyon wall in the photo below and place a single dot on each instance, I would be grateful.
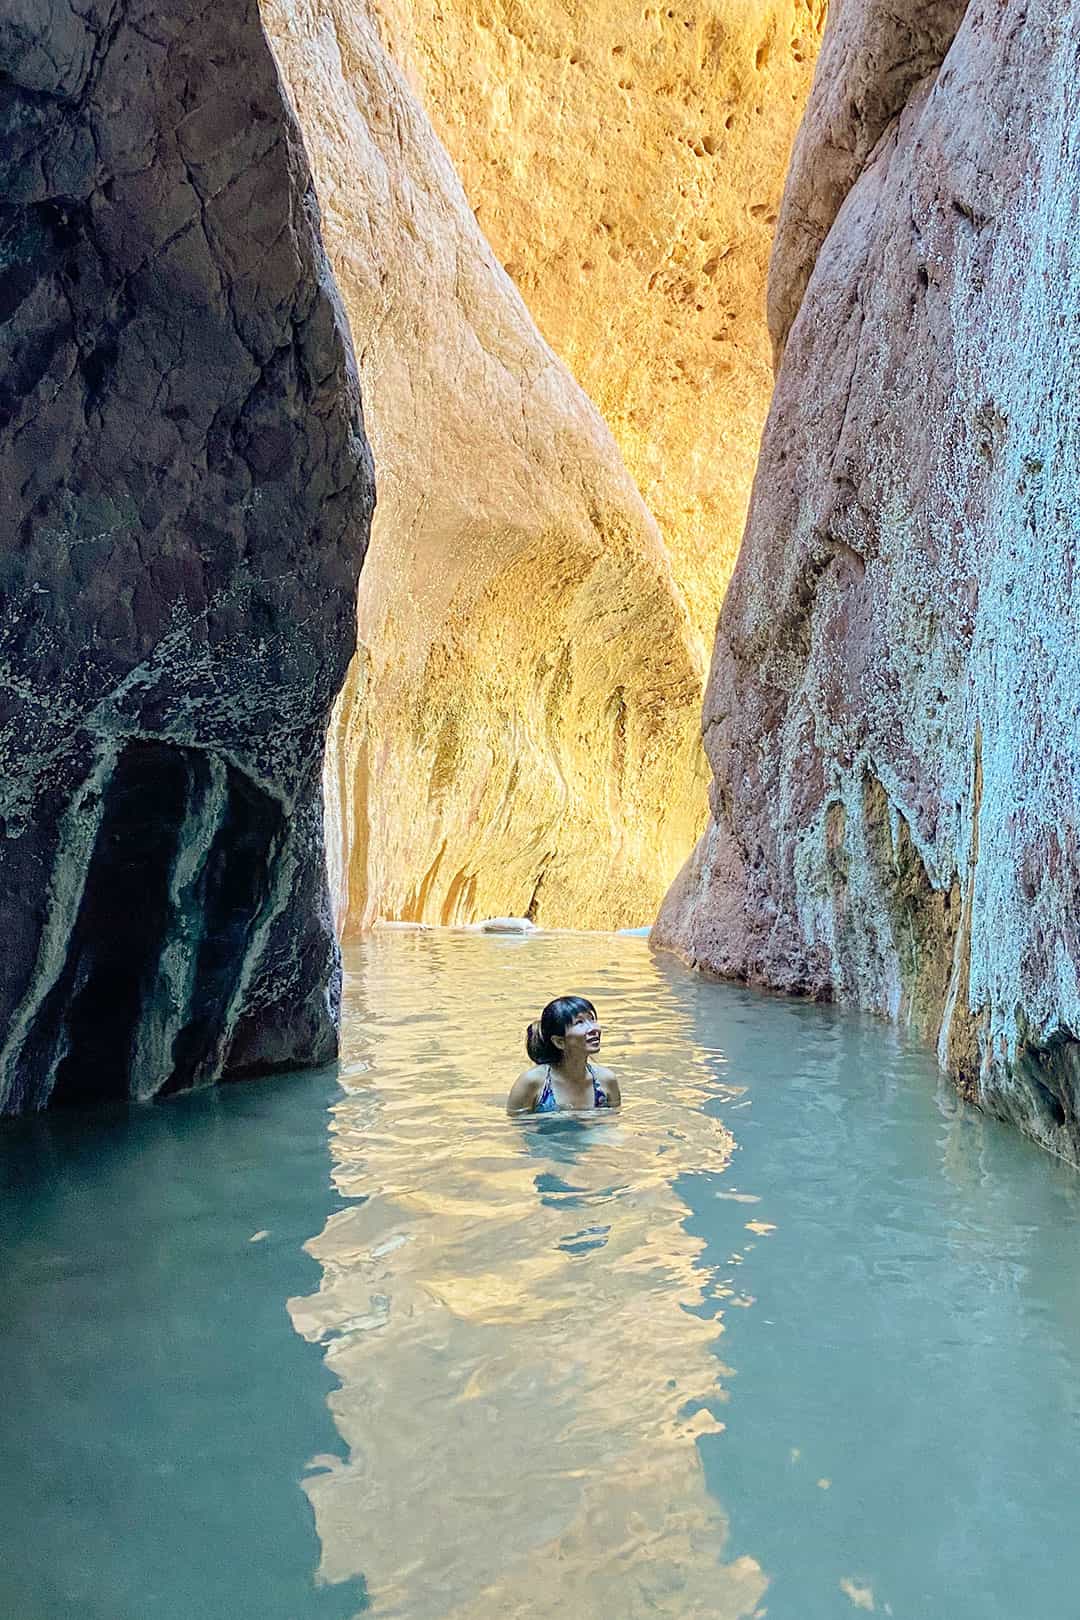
(892, 712)
(520, 729)
(185, 498)
(625, 160)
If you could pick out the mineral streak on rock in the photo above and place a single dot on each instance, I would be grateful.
(625, 160)
(186, 491)
(892, 711)
(519, 732)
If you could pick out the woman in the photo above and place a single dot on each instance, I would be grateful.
(562, 1044)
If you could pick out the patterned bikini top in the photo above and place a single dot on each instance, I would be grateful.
(546, 1104)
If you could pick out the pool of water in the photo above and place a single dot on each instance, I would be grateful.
(796, 1334)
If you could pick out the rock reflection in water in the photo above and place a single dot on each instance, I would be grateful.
(522, 1328)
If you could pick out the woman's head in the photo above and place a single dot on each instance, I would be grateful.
(567, 1025)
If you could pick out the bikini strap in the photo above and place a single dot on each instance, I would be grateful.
(600, 1097)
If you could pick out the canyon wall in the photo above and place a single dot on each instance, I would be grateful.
(520, 729)
(186, 496)
(625, 161)
(892, 711)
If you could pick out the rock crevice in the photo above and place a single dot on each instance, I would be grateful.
(875, 54)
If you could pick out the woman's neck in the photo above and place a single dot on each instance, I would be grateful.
(573, 1070)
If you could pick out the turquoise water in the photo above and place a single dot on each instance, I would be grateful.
(797, 1334)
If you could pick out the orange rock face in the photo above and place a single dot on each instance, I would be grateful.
(891, 717)
(519, 733)
(626, 161)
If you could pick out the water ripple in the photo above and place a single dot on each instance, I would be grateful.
(522, 1391)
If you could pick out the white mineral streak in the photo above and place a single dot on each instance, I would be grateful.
(78, 830)
(173, 984)
(892, 716)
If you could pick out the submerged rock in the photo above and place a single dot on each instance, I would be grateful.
(186, 493)
(507, 925)
(892, 713)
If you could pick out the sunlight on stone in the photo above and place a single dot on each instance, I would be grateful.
(520, 729)
(626, 162)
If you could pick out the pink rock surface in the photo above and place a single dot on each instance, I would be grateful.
(892, 711)
(874, 55)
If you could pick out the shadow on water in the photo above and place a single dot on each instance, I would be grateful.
(159, 1411)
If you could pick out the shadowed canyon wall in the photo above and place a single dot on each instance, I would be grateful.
(520, 731)
(892, 711)
(186, 495)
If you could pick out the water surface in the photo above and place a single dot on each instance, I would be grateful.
(795, 1333)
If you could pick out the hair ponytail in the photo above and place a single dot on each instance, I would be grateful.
(555, 1019)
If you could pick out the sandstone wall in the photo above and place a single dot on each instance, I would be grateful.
(185, 494)
(625, 161)
(893, 706)
(520, 729)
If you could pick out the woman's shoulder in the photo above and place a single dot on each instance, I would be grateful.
(605, 1079)
(526, 1088)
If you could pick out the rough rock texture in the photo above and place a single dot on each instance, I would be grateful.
(892, 712)
(519, 733)
(626, 161)
(875, 54)
(185, 496)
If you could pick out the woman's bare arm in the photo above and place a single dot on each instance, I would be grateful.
(525, 1091)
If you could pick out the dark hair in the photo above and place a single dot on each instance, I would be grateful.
(555, 1019)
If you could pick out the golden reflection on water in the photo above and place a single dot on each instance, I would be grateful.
(509, 1308)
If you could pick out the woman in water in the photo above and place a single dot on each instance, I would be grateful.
(562, 1045)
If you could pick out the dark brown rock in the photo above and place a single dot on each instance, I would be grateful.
(892, 717)
(186, 492)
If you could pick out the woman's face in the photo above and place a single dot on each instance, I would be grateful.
(582, 1036)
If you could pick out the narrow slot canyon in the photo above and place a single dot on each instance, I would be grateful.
(551, 233)
(562, 259)
(539, 809)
